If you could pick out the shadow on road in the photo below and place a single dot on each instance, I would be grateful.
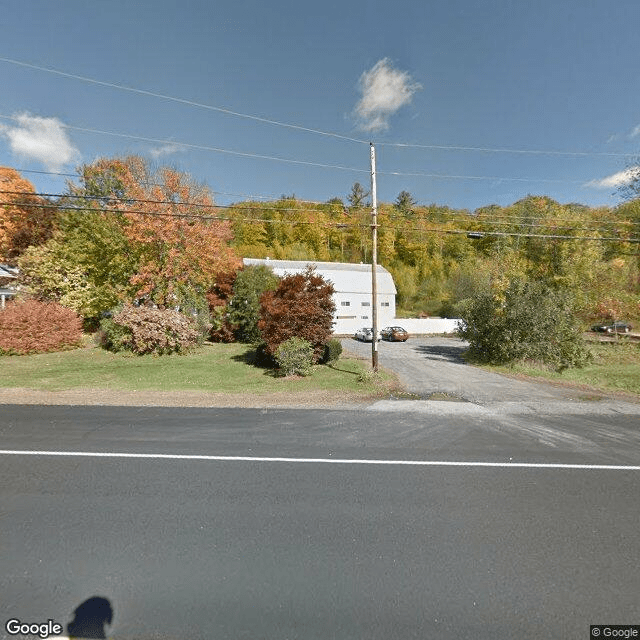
(451, 353)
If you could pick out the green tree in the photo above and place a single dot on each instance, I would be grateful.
(244, 310)
(405, 203)
(86, 266)
(529, 321)
(357, 197)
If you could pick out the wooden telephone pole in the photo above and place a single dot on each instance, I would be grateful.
(374, 259)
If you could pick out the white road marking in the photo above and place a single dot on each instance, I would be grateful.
(354, 461)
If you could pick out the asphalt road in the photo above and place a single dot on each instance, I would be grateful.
(378, 523)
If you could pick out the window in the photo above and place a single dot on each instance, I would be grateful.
(345, 303)
(365, 317)
(384, 304)
(365, 304)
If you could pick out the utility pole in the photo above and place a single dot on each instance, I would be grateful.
(374, 259)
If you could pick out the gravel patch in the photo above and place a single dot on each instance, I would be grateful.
(107, 397)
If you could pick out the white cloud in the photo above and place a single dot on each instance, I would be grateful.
(635, 132)
(165, 150)
(617, 179)
(384, 90)
(41, 139)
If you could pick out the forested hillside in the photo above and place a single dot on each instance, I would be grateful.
(124, 231)
(435, 261)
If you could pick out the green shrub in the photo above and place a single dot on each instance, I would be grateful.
(295, 357)
(114, 337)
(144, 330)
(244, 310)
(38, 327)
(195, 306)
(369, 376)
(332, 351)
(529, 321)
(221, 329)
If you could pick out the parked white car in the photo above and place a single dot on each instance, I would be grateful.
(365, 334)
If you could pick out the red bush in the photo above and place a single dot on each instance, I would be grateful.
(218, 297)
(38, 327)
(302, 306)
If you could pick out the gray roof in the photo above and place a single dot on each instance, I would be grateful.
(346, 277)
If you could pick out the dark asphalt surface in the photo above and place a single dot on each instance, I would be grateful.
(290, 549)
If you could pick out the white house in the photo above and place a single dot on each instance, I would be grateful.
(7, 276)
(352, 284)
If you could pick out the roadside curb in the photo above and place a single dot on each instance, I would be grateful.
(445, 408)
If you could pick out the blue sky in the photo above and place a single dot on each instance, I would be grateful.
(449, 78)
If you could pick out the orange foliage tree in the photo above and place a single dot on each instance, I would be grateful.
(170, 220)
(24, 218)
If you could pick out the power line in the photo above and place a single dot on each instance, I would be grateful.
(204, 147)
(483, 219)
(45, 173)
(490, 219)
(460, 177)
(519, 235)
(303, 162)
(546, 152)
(127, 200)
(530, 225)
(191, 103)
(214, 191)
(157, 214)
(238, 114)
(338, 225)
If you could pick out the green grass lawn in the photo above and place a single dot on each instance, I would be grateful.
(217, 368)
(615, 367)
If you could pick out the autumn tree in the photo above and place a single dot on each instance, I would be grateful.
(26, 219)
(436, 266)
(218, 299)
(172, 223)
(302, 306)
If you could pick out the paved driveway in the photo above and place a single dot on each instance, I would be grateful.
(428, 366)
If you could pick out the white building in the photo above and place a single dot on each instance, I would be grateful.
(352, 284)
(8, 275)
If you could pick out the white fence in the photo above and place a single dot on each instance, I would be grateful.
(418, 326)
(415, 326)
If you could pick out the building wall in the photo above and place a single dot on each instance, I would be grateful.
(352, 284)
(350, 318)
